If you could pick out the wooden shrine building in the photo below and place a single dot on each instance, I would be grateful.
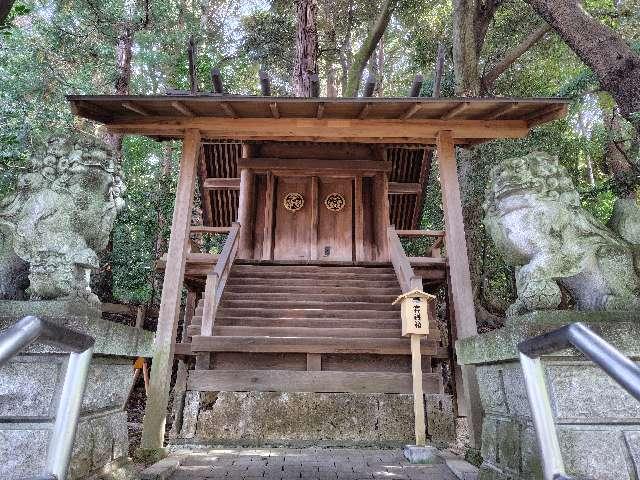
(314, 195)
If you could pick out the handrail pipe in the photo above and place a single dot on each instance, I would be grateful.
(29, 330)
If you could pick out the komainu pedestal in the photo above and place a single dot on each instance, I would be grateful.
(598, 423)
(30, 385)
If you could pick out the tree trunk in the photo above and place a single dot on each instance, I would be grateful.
(604, 51)
(306, 61)
(465, 52)
(367, 49)
(5, 9)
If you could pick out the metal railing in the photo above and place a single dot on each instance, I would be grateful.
(600, 352)
(31, 329)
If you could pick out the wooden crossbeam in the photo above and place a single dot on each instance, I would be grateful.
(221, 184)
(182, 108)
(420, 233)
(309, 381)
(204, 229)
(135, 108)
(228, 110)
(502, 110)
(364, 112)
(411, 111)
(396, 188)
(461, 107)
(275, 113)
(390, 131)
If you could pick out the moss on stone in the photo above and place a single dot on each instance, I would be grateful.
(149, 456)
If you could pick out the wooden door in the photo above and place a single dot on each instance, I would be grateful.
(293, 225)
(335, 219)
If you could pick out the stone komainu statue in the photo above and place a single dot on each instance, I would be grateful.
(60, 215)
(534, 216)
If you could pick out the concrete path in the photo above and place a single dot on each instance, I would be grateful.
(286, 464)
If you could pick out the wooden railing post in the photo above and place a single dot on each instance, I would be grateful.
(158, 398)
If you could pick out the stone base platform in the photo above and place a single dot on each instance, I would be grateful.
(303, 419)
(598, 423)
(30, 385)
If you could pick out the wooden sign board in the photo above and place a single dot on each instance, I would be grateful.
(414, 311)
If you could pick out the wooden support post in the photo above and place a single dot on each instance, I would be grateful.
(156, 408)
(461, 290)
(418, 396)
(245, 213)
(381, 215)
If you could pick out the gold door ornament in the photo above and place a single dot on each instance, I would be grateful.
(335, 202)
(293, 201)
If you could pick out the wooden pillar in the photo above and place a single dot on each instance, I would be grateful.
(381, 215)
(418, 396)
(245, 214)
(156, 408)
(461, 290)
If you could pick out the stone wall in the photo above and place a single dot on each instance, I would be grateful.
(598, 423)
(300, 419)
(31, 383)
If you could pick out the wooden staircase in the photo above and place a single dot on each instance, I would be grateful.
(320, 328)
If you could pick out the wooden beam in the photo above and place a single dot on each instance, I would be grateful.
(396, 188)
(275, 113)
(358, 214)
(245, 213)
(158, 398)
(550, 113)
(314, 165)
(379, 346)
(502, 110)
(314, 362)
(211, 230)
(228, 110)
(420, 233)
(205, 197)
(357, 130)
(364, 111)
(411, 111)
(221, 184)
(182, 108)
(461, 107)
(416, 86)
(267, 238)
(461, 288)
(425, 170)
(309, 381)
(135, 108)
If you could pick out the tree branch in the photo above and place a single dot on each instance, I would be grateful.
(512, 55)
(369, 45)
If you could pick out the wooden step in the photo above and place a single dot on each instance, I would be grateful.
(308, 312)
(303, 322)
(380, 346)
(271, 331)
(240, 268)
(314, 282)
(328, 298)
(294, 304)
(300, 381)
(336, 289)
(341, 276)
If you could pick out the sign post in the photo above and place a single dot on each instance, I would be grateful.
(414, 312)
